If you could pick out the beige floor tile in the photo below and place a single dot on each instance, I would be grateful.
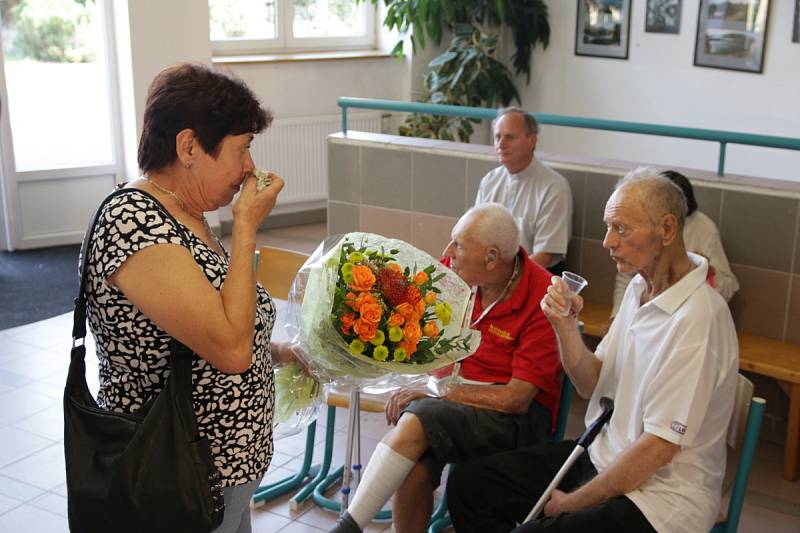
(29, 518)
(266, 522)
(17, 444)
(296, 527)
(48, 389)
(6, 503)
(11, 381)
(43, 335)
(61, 489)
(17, 490)
(13, 349)
(48, 423)
(319, 518)
(21, 403)
(43, 469)
(36, 365)
(52, 502)
(760, 520)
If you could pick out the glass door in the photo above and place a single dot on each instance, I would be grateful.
(60, 135)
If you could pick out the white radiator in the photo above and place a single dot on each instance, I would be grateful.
(297, 149)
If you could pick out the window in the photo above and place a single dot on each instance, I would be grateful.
(60, 44)
(252, 26)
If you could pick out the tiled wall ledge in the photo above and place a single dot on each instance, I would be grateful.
(415, 190)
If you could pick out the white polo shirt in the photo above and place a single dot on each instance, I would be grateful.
(670, 365)
(540, 200)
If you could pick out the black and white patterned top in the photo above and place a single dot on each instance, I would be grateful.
(234, 411)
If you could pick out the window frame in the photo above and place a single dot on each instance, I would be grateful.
(285, 42)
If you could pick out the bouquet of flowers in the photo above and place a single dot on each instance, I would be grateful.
(387, 312)
(371, 312)
(367, 309)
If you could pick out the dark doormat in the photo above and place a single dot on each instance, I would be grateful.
(37, 284)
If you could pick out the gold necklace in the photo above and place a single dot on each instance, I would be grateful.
(181, 204)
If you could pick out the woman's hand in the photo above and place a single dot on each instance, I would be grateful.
(252, 205)
(285, 352)
(556, 302)
(398, 401)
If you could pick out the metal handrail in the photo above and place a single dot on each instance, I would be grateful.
(720, 136)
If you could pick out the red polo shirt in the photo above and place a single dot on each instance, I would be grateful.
(517, 340)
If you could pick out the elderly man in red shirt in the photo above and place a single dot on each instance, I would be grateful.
(509, 393)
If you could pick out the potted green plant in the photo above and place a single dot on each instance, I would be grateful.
(467, 73)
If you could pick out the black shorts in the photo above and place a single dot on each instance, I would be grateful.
(458, 432)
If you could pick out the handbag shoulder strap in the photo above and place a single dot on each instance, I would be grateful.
(79, 316)
(180, 355)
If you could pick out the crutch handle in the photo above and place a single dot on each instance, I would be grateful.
(607, 404)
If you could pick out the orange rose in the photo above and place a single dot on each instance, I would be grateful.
(394, 266)
(431, 329)
(365, 330)
(348, 319)
(419, 307)
(404, 309)
(364, 298)
(363, 278)
(420, 278)
(371, 312)
(412, 295)
(412, 333)
(409, 347)
(350, 300)
(414, 317)
(396, 319)
(347, 322)
(430, 297)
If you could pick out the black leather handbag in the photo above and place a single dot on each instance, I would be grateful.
(147, 471)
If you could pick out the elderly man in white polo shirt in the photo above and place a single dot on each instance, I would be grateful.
(669, 362)
(538, 197)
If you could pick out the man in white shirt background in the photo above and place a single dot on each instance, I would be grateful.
(539, 198)
(669, 362)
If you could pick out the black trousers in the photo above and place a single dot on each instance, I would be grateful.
(458, 432)
(496, 493)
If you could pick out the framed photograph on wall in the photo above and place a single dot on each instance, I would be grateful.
(602, 28)
(731, 34)
(663, 16)
(796, 27)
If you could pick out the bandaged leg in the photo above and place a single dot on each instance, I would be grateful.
(384, 474)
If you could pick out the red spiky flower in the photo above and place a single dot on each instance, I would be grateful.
(394, 286)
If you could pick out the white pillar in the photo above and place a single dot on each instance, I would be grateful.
(151, 35)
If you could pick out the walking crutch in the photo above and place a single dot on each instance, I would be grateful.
(607, 405)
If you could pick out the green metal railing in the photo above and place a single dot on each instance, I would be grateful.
(722, 137)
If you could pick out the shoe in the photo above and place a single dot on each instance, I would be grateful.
(345, 524)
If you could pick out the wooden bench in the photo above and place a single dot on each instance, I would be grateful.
(760, 355)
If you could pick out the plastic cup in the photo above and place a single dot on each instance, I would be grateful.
(574, 284)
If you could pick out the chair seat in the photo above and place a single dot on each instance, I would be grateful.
(371, 403)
